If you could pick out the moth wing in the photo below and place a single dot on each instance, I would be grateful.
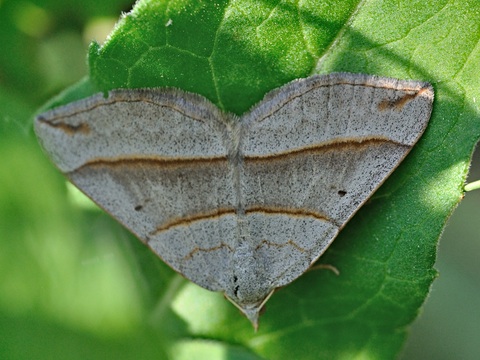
(314, 151)
(156, 160)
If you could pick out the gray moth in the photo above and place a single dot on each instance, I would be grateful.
(238, 204)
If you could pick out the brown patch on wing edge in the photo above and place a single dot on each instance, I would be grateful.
(68, 129)
(398, 103)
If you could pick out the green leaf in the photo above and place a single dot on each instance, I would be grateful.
(233, 52)
(222, 50)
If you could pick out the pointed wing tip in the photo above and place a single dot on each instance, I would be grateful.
(428, 92)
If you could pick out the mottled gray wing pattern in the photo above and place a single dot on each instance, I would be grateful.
(240, 205)
(157, 160)
(314, 151)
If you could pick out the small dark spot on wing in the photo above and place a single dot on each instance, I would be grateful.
(235, 289)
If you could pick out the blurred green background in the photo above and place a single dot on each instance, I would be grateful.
(56, 284)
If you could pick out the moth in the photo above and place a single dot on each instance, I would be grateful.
(238, 204)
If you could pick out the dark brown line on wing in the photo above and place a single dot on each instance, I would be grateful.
(192, 218)
(413, 91)
(340, 144)
(81, 128)
(289, 242)
(187, 220)
(143, 160)
(199, 249)
(109, 101)
(288, 211)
